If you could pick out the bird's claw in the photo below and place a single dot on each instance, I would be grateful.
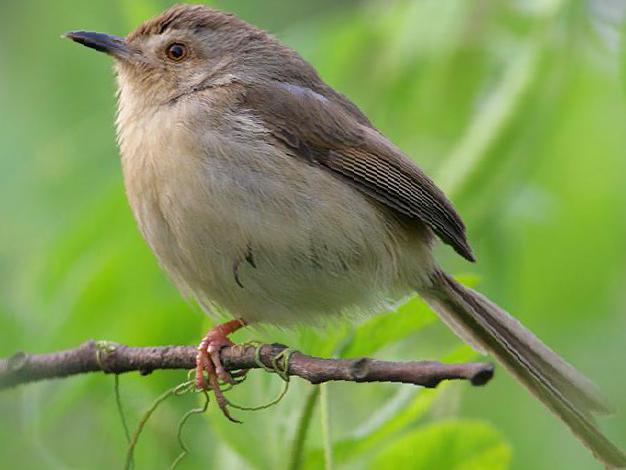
(210, 372)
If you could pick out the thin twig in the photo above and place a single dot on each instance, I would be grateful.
(114, 358)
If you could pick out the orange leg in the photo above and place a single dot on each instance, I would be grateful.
(208, 359)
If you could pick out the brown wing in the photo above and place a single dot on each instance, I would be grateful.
(325, 132)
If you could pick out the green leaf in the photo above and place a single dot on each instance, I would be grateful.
(391, 327)
(383, 425)
(451, 445)
(382, 330)
(264, 439)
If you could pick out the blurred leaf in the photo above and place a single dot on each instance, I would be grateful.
(385, 329)
(495, 114)
(453, 445)
(390, 420)
(383, 425)
(263, 438)
(388, 328)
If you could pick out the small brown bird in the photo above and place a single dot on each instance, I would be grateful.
(264, 192)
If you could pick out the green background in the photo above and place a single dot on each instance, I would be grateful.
(516, 108)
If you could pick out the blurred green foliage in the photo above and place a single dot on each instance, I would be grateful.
(515, 107)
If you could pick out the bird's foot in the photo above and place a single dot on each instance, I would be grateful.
(208, 360)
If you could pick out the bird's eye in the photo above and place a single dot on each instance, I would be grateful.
(176, 52)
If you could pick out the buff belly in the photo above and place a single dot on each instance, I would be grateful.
(265, 236)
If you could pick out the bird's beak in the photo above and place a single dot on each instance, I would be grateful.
(112, 45)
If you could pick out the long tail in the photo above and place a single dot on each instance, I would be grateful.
(564, 390)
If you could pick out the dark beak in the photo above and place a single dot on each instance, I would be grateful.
(112, 45)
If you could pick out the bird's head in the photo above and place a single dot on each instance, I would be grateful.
(186, 48)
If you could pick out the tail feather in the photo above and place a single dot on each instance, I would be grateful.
(564, 390)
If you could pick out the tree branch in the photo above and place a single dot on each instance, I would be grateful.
(112, 358)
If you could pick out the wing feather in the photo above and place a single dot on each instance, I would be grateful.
(323, 131)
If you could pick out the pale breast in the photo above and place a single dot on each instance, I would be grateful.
(244, 226)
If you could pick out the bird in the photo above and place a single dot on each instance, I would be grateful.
(267, 194)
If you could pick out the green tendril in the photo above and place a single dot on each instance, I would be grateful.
(179, 390)
(280, 366)
(282, 369)
(265, 406)
(259, 362)
(142, 423)
(105, 347)
(120, 411)
(181, 425)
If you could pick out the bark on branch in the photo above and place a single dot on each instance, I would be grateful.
(112, 358)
